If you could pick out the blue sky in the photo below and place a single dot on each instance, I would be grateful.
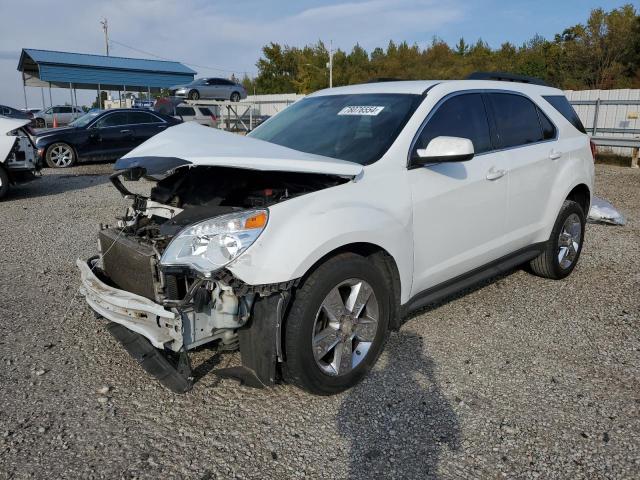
(229, 34)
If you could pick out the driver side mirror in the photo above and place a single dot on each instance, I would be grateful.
(444, 149)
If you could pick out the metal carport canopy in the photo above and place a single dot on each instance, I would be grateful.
(46, 68)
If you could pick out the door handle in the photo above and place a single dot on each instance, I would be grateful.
(554, 155)
(128, 132)
(494, 174)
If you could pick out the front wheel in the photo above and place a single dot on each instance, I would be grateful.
(337, 325)
(562, 251)
(60, 155)
(194, 95)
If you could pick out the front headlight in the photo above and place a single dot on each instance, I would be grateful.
(210, 245)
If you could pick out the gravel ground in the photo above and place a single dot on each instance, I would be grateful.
(522, 378)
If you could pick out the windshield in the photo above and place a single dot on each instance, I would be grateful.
(359, 128)
(84, 120)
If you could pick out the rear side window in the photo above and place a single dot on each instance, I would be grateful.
(142, 117)
(460, 116)
(205, 111)
(562, 105)
(516, 119)
(185, 111)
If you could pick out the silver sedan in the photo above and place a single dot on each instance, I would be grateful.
(210, 88)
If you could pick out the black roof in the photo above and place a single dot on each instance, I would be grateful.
(506, 77)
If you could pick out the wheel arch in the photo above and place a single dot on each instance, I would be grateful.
(379, 257)
(581, 194)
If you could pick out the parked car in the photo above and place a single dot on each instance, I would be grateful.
(99, 135)
(10, 112)
(18, 161)
(198, 113)
(305, 242)
(30, 111)
(64, 115)
(210, 88)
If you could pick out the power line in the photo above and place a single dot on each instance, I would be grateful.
(173, 60)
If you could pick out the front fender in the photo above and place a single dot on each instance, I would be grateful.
(303, 230)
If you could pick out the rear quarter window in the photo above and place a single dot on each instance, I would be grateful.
(562, 105)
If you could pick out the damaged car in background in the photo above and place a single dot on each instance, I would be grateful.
(18, 160)
(304, 243)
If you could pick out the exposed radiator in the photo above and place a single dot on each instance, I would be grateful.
(129, 264)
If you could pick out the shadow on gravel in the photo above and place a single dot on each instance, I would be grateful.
(56, 184)
(399, 421)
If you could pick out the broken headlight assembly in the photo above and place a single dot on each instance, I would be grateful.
(212, 244)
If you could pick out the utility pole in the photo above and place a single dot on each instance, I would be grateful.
(330, 63)
(105, 27)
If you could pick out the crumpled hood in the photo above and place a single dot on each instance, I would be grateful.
(195, 144)
(10, 124)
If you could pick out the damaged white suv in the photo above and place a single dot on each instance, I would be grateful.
(305, 242)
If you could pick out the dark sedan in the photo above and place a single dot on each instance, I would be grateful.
(11, 112)
(99, 135)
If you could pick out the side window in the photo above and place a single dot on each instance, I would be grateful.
(213, 81)
(113, 120)
(516, 119)
(142, 117)
(57, 109)
(460, 116)
(65, 110)
(548, 129)
(185, 111)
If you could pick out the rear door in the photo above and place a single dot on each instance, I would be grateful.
(526, 137)
(459, 208)
(144, 125)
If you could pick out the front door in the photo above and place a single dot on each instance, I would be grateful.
(459, 208)
(111, 137)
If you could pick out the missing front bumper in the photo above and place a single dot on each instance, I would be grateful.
(162, 327)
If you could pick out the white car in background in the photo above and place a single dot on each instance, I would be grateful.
(208, 116)
(64, 115)
(305, 242)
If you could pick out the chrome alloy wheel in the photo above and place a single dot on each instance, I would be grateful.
(569, 241)
(345, 327)
(61, 156)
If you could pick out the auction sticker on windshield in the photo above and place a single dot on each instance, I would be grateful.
(360, 110)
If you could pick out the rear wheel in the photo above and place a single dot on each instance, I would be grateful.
(4, 182)
(563, 249)
(337, 325)
(194, 95)
(40, 123)
(60, 155)
(235, 97)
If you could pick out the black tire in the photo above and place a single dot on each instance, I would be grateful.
(4, 183)
(40, 123)
(235, 97)
(52, 151)
(548, 264)
(194, 95)
(301, 367)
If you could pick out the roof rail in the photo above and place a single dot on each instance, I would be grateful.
(506, 77)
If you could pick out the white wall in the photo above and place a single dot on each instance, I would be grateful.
(609, 116)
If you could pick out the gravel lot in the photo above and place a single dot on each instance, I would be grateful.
(522, 378)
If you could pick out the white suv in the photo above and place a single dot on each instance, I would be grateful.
(305, 242)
